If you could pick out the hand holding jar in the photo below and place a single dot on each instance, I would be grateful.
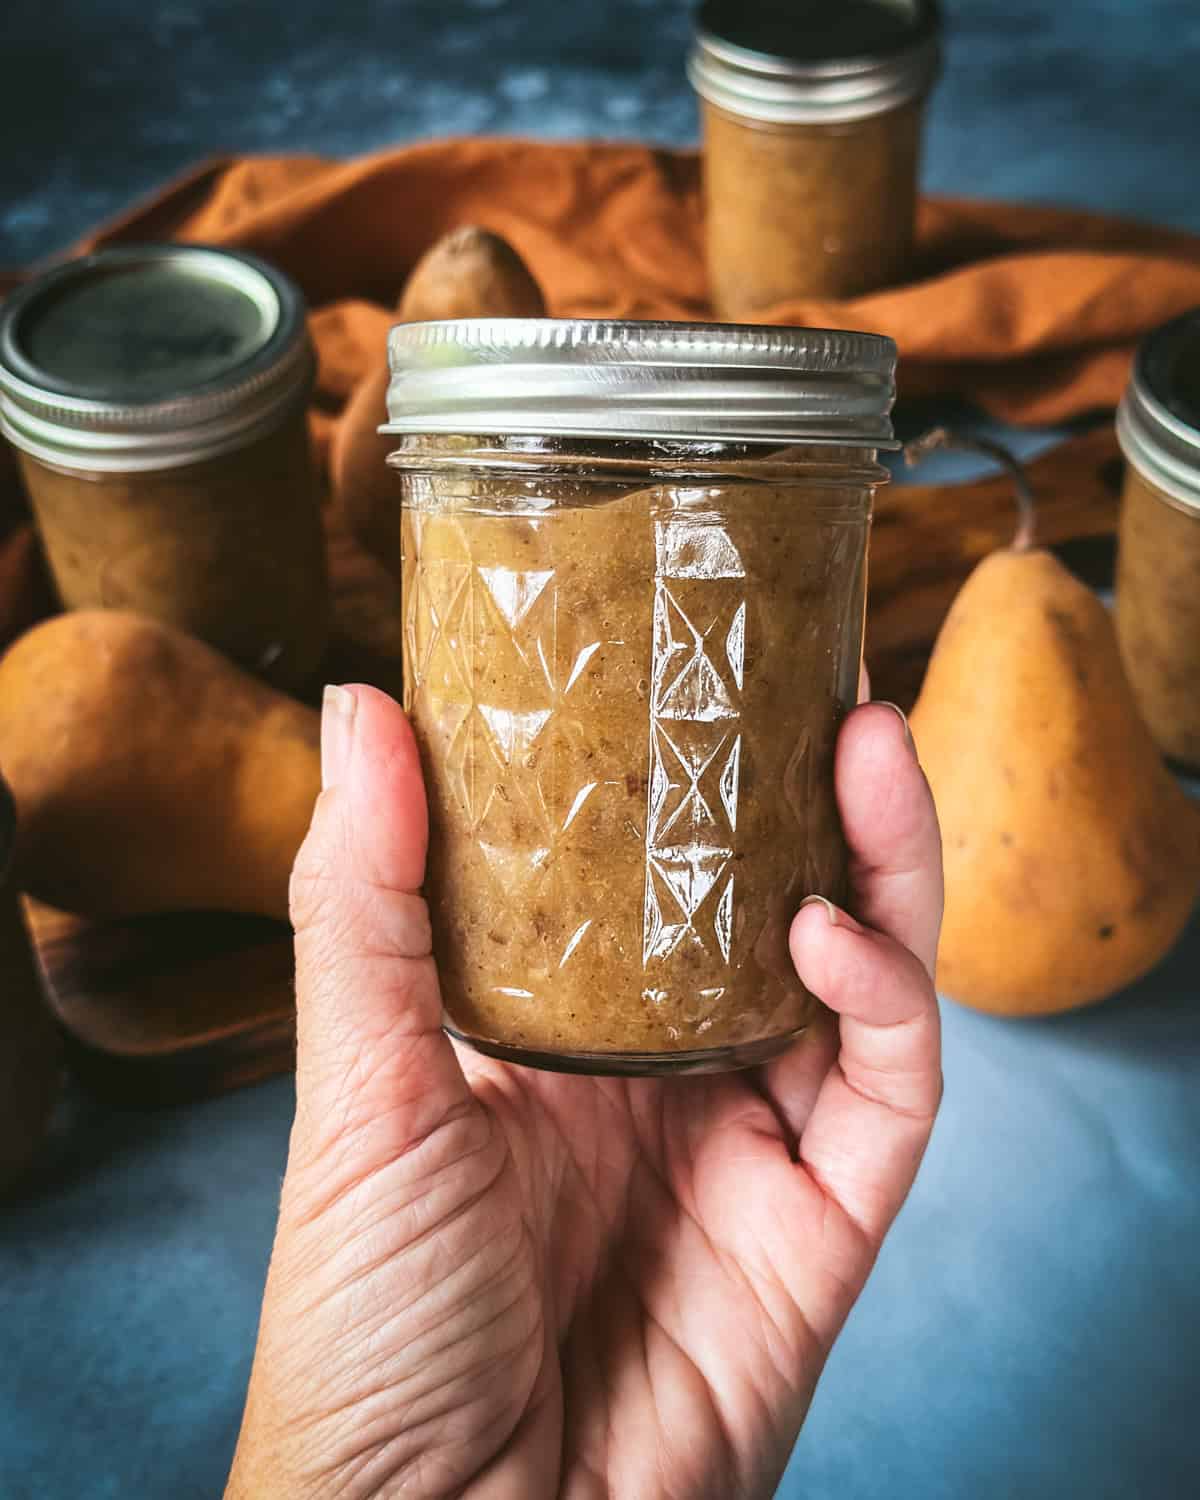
(633, 636)
(494, 1280)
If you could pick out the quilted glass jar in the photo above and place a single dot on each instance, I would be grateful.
(634, 572)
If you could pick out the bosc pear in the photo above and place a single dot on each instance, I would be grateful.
(1072, 856)
(469, 273)
(150, 773)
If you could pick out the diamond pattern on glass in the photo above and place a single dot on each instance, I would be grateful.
(693, 776)
(514, 594)
(696, 678)
(494, 664)
(690, 680)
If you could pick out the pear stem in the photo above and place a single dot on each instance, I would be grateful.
(943, 437)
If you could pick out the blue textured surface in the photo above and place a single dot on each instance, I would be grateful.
(1090, 102)
(1030, 1330)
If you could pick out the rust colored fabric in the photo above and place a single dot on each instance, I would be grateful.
(1032, 313)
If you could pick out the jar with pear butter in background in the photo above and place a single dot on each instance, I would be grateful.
(634, 576)
(1158, 558)
(155, 395)
(812, 117)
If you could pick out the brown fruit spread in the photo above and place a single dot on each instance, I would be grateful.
(229, 549)
(1158, 562)
(812, 133)
(1158, 613)
(627, 698)
(807, 210)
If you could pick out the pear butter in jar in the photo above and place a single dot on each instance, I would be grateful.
(1158, 559)
(155, 395)
(812, 113)
(634, 574)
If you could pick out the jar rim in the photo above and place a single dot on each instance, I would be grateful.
(633, 461)
(1158, 420)
(602, 378)
(73, 423)
(782, 88)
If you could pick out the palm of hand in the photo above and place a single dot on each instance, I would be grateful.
(494, 1282)
(664, 1224)
(579, 1285)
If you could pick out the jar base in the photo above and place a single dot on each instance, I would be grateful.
(635, 1064)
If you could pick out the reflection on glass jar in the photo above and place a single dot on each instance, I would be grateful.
(1158, 560)
(812, 133)
(626, 661)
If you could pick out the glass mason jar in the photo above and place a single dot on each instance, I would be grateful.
(812, 132)
(634, 574)
(1158, 558)
(156, 398)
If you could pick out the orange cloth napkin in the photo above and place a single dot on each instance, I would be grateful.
(1032, 313)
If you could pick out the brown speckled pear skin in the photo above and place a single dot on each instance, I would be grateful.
(149, 773)
(1072, 857)
(469, 273)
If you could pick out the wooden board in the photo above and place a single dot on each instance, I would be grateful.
(163, 1008)
(168, 1007)
(927, 538)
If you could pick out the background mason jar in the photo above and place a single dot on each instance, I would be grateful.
(812, 139)
(1158, 555)
(156, 398)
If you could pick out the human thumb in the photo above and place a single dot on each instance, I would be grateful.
(372, 1063)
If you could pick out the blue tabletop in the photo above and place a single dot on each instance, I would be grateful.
(1031, 1327)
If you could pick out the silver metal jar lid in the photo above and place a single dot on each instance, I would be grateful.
(802, 62)
(150, 356)
(585, 377)
(1158, 421)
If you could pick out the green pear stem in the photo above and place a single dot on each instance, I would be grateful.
(944, 437)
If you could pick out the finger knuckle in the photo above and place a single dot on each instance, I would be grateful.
(313, 888)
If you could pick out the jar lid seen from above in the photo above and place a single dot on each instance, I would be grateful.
(582, 377)
(1158, 421)
(813, 61)
(150, 356)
